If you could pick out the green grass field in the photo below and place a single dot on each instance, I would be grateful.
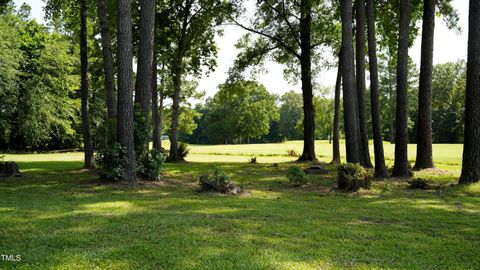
(447, 156)
(59, 217)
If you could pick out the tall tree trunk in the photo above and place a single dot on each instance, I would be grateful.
(307, 89)
(360, 59)
(87, 136)
(157, 140)
(380, 168)
(336, 116)
(401, 166)
(424, 124)
(471, 147)
(125, 134)
(143, 85)
(177, 87)
(161, 107)
(109, 69)
(174, 131)
(349, 95)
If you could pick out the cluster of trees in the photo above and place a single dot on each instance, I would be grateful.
(199, 125)
(170, 40)
(173, 42)
(38, 79)
(245, 112)
(354, 84)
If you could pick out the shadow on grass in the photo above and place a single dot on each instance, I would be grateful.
(36, 166)
(62, 220)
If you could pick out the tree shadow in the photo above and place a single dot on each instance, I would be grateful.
(62, 220)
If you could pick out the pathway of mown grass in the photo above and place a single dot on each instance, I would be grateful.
(68, 220)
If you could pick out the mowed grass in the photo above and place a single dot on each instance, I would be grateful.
(446, 156)
(59, 217)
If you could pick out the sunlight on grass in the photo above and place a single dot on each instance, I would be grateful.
(109, 208)
(59, 217)
(446, 156)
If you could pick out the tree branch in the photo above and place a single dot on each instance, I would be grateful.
(276, 39)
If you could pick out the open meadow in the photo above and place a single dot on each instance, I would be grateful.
(57, 216)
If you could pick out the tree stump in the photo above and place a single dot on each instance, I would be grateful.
(9, 169)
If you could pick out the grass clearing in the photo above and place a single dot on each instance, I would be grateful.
(58, 217)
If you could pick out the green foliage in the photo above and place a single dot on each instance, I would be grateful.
(352, 177)
(187, 120)
(275, 35)
(188, 29)
(149, 165)
(324, 112)
(448, 102)
(110, 161)
(141, 133)
(38, 109)
(291, 114)
(183, 150)
(296, 175)
(218, 182)
(241, 110)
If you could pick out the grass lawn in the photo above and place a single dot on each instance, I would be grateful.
(58, 217)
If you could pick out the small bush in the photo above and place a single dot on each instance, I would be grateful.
(150, 165)
(110, 162)
(252, 160)
(418, 184)
(292, 153)
(183, 151)
(219, 182)
(296, 175)
(352, 177)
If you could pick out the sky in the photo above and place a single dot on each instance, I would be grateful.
(450, 46)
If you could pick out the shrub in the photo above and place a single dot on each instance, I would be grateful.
(292, 153)
(253, 160)
(150, 165)
(110, 162)
(418, 184)
(352, 177)
(219, 182)
(183, 151)
(296, 175)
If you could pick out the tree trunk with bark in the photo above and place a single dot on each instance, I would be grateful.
(471, 147)
(424, 158)
(161, 110)
(336, 116)
(143, 85)
(307, 89)
(87, 136)
(349, 95)
(156, 137)
(380, 168)
(109, 70)
(401, 166)
(125, 133)
(174, 131)
(361, 88)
